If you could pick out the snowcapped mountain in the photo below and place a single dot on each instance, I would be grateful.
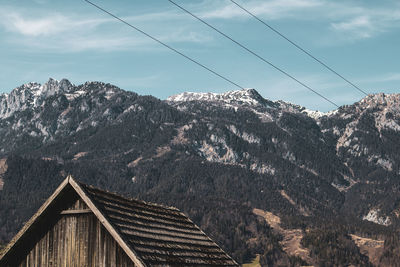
(246, 98)
(195, 148)
(35, 113)
(243, 97)
(363, 134)
(43, 113)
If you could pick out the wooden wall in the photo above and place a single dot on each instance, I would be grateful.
(76, 240)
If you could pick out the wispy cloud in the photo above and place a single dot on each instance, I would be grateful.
(392, 77)
(46, 25)
(274, 9)
(359, 26)
(343, 20)
(382, 78)
(362, 23)
(77, 32)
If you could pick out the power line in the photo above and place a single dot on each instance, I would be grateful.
(255, 54)
(164, 44)
(307, 53)
(200, 64)
(299, 47)
(260, 57)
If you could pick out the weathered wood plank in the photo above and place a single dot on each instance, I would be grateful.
(128, 250)
(75, 241)
(83, 211)
(35, 217)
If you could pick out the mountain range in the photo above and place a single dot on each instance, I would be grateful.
(261, 177)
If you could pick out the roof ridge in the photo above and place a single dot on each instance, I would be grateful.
(130, 198)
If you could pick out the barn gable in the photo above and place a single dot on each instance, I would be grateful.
(80, 225)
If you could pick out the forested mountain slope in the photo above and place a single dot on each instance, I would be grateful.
(217, 157)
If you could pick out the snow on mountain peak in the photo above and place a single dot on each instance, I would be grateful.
(315, 114)
(247, 96)
(52, 87)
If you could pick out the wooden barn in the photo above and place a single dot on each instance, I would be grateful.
(80, 225)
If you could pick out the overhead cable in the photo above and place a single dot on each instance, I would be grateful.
(255, 54)
(299, 47)
(166, 45)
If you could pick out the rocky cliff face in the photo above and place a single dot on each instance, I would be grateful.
(34, 114)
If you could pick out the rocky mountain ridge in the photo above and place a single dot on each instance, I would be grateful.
(31, 95)
(215, 156)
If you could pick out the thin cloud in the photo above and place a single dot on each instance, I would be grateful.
(359, 27)
(388, 77)
(343, 20)
(392, 77)
(46, 25)
(99, 42)
(354, 24)
(368, 23)
(56, 32)
(275, 9)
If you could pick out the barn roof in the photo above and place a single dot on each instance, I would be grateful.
(150, 234)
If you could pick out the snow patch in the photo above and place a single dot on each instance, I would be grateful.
(109, 93)
(252, 139)
(134, 108)
(218, 152)
(373, 216)
(263, 116)
(344, 140)
(262, 168)
(74, 95)
(315, 114)
(289, 156)
(384, 163)
(245, 97)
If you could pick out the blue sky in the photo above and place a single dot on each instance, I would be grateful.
(70, 39)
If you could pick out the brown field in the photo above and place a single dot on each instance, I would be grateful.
(291, 237)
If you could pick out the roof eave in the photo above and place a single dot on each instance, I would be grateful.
(28, 224)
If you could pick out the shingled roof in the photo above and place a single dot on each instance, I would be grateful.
(150, 234)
